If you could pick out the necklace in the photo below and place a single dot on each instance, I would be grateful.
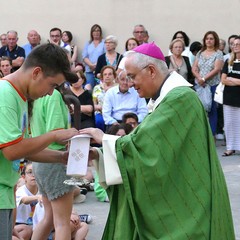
(178, 66)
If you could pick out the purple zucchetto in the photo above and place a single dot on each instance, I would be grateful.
(151, 50)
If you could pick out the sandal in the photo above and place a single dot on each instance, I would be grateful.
(228, 153)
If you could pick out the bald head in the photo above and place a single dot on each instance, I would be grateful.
(33, 38)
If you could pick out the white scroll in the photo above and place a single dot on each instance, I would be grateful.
(78, 155)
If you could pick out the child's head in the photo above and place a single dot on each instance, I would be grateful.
(120, 129)
(130, 118)
(28, 176)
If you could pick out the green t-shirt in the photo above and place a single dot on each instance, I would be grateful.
(13, 128)
(49, 113)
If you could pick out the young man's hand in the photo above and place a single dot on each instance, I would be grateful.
(63, 135)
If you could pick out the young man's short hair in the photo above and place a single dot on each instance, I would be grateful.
(52, 59)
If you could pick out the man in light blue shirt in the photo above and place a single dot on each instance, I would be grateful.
(33, 40)
(122, 99)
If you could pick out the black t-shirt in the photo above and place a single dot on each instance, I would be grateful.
(86, 99)
(231, 94)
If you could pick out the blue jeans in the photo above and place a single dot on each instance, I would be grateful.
(99, 122)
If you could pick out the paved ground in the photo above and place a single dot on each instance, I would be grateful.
(231, 168)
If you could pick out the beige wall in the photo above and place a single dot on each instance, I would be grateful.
(161, 18)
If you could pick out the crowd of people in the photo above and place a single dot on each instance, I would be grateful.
(115, 99)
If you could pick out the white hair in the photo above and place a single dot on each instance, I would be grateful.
(112, 39)
(12, 31)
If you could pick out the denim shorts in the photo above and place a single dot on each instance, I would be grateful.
(50, 178)
(6, 224)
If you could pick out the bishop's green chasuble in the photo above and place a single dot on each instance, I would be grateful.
(173, 185)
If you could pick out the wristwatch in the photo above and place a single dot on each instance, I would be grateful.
(203, 79)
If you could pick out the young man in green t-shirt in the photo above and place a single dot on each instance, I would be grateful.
(46, 67)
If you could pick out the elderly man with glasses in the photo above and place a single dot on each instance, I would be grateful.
(164, 179)
(140, 33)
(121, 99)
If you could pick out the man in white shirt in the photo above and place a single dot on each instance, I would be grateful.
(56, 38)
